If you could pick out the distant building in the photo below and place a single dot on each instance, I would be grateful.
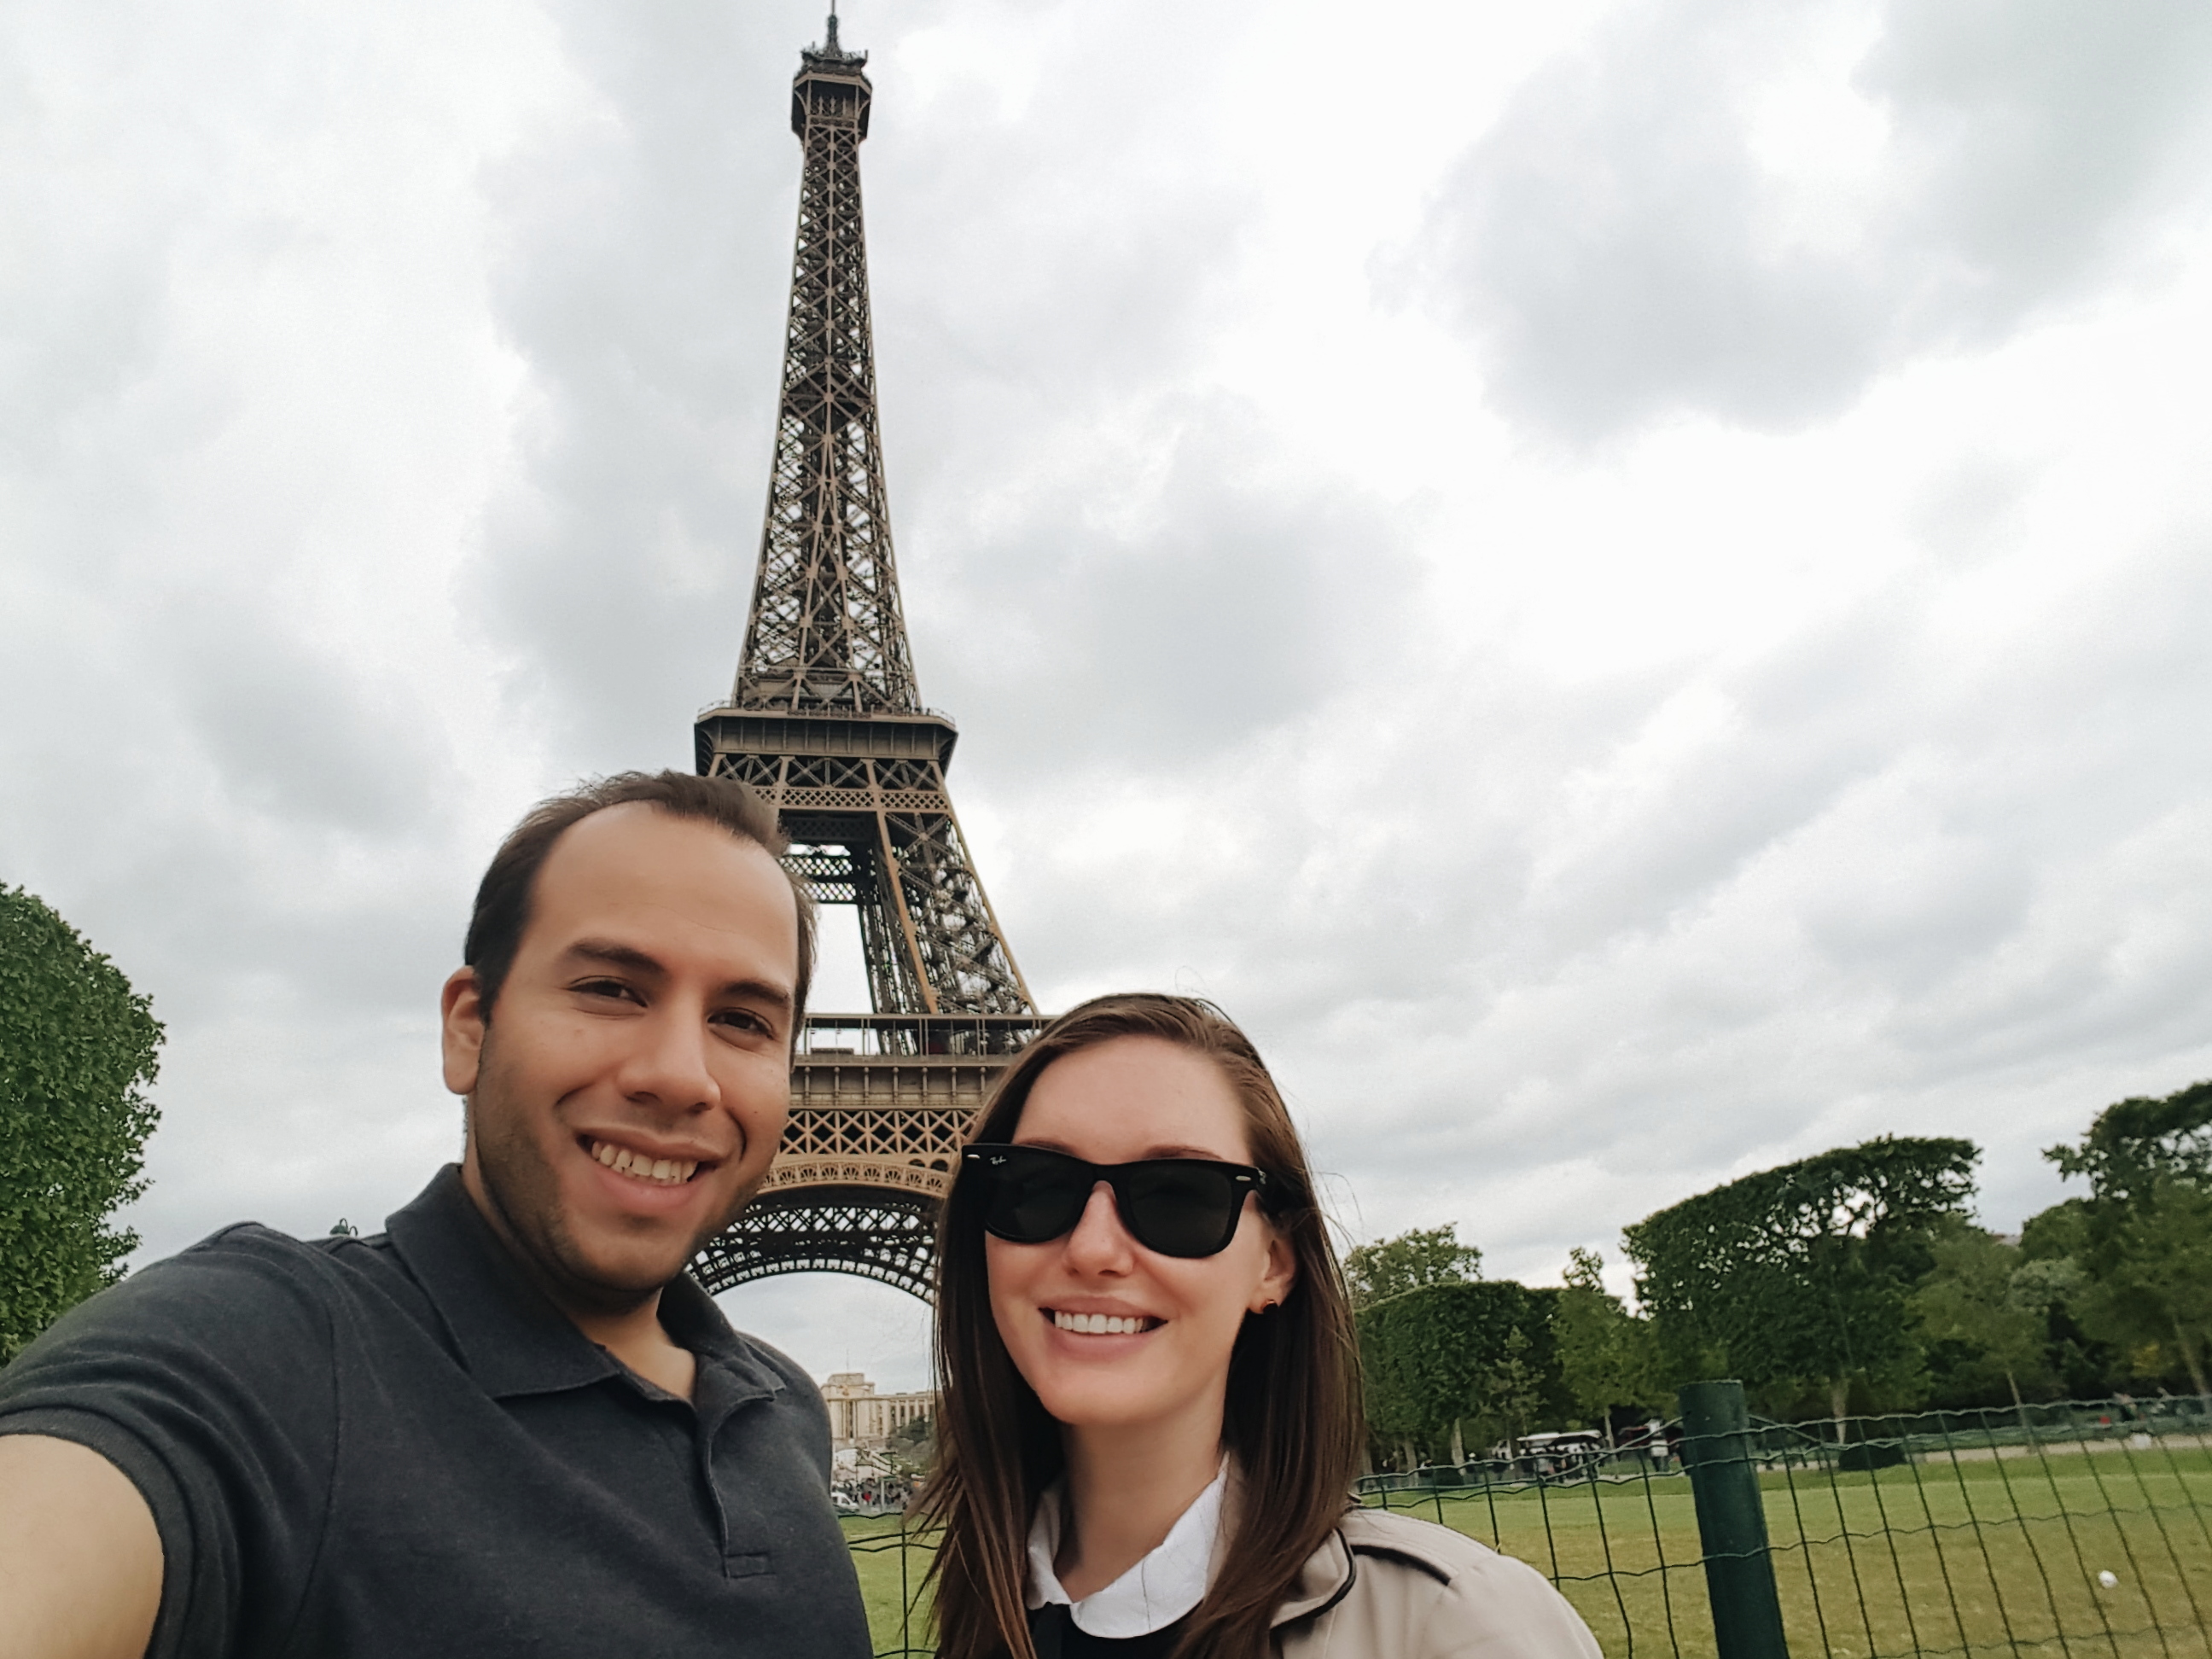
(860, 1419)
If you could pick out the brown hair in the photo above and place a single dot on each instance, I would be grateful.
(1292, 1418)
(502, 914)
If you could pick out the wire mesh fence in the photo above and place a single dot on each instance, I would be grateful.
(892, 1560)
(2079, 1530)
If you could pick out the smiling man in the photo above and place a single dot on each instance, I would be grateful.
(508, 1425)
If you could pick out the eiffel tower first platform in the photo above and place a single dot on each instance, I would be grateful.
(826, 723)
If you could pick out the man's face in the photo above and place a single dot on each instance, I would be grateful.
(629, 1091)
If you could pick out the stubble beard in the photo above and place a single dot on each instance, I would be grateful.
(524, 1192)
(527, 1199)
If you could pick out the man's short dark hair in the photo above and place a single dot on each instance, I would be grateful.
(502, 907)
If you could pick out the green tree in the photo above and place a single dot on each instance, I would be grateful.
(2050, 1279)
(1607, 1356)
(2060, 1232)
(1445, 1358)
(1979, 1321)
(2146, 1228)
(2136, 1142)
(1799, 1275)
(1411, 1261)
(2159, 1282)
(914, 1442)
(78, 1046)
(1509, 1394)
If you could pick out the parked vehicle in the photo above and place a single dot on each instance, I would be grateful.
(1562, 1454)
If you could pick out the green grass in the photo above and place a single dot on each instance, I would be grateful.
(891, 1566)
(1970, 1559)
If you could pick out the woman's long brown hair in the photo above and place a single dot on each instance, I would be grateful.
(1293, 1419)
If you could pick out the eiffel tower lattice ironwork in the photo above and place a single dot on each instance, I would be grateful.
(825, 722)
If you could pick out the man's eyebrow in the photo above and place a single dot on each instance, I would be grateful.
(615, 954)
(758, 990)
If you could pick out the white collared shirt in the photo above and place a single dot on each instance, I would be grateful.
(1152, 1594)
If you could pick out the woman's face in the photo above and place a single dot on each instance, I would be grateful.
(1131, 1098)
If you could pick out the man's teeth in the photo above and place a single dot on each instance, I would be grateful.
(1097, 1324)
(668, 1171)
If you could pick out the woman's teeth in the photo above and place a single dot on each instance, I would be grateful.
(668, 1171)
(1100, 1324)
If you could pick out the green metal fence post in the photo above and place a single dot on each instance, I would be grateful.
(1731, 1521)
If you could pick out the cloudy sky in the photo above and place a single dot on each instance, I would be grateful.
(1625, 583)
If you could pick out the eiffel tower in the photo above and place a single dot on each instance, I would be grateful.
(825, 721)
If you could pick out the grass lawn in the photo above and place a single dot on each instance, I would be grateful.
(1972, 1559)
(890, 1569)
(1982, 1558)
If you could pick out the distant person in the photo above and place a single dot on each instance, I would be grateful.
(508, 1426)
(1149, 1420)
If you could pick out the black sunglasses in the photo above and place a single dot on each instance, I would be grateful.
(1185, 1206)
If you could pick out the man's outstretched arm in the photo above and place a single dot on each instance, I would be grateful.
(80, 1559)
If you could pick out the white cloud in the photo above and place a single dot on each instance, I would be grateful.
(1750, 212)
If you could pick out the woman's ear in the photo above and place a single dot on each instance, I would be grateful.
(1281, 1273)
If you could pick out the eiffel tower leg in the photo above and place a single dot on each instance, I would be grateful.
(956, 936)
(892, 987)
(898, 914)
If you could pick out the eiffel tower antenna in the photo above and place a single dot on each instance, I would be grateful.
(826, 722)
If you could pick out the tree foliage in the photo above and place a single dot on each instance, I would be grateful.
(2145, 1233)
(1476, 1359)
(1981, 1316)
(914, 1443)
(2136, 1143)
(78, 1047)
(1853, 1279)
(1609, 1357)
(2156, 1286)
(1411, 1261)
(1800, 1274)
(2060, 1232)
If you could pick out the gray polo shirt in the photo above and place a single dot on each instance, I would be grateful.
(398, 1446)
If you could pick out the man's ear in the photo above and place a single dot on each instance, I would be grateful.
(461, 1029)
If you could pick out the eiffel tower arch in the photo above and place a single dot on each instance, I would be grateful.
(826, 722)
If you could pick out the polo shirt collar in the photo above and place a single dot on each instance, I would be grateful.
(512, 1338)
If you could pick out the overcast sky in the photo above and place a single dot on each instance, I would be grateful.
(1626, 584)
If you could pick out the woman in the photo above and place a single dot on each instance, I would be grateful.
(1148, 1417)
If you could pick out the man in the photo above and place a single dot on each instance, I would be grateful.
(508, 1426)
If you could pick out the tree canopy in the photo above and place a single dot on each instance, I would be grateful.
(1800, 1273)
(78, 1047)
(1982, 1314)
(2135, 1143)
(2144, 1236)
(1410, 1261)
(1851, 1281)
(1609, 1357)
(1477, 1361)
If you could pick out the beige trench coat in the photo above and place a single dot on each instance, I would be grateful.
(1390, 1587)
